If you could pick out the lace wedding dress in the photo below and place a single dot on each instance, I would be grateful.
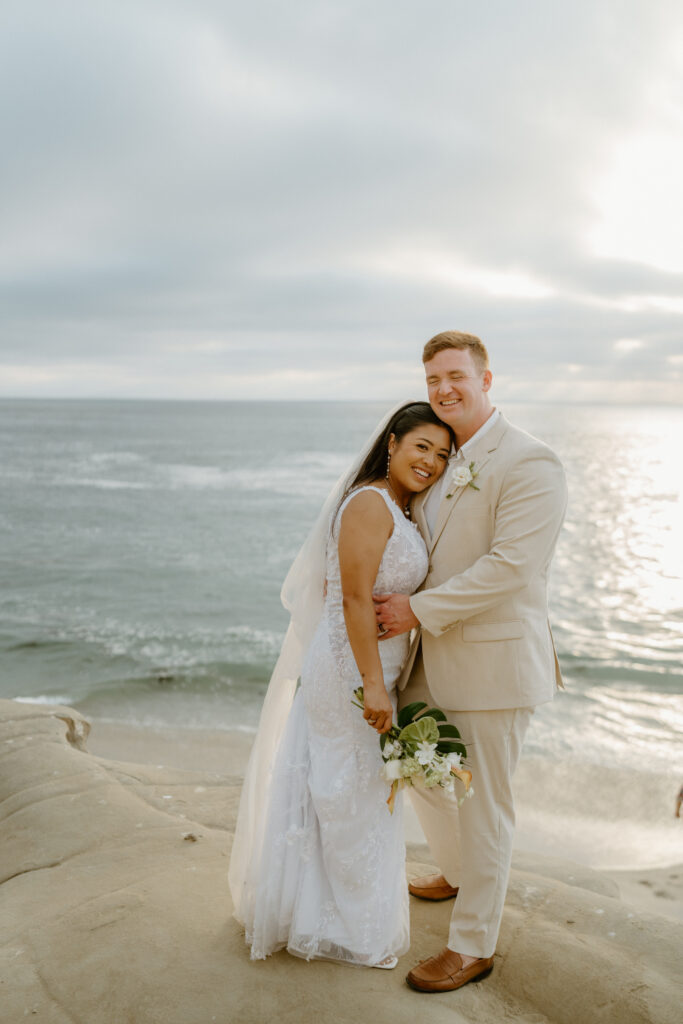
(331, 880)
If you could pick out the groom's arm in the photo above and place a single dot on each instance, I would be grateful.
(528, 519)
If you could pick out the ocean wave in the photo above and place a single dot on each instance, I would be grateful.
(47, 699)
(104, 484)
(663, 673)
(230, 703)
(150, 642)
(303, 473)
(198, 477)
(161, 723)
(114, 458)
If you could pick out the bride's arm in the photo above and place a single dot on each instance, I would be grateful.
(366, 526)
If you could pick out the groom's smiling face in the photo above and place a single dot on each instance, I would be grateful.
(458, 391)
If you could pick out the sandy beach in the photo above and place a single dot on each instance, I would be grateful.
(114, 847)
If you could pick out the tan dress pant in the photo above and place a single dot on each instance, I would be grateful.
(472, 844)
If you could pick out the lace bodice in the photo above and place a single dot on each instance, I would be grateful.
(404, 562)
(402, 568)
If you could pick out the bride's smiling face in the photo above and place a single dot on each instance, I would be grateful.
(420, 457)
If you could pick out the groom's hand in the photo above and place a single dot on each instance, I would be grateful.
(394, 615)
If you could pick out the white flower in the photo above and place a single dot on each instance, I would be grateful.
(391, 749)
(425, 752)
(453, 760)
(438, 768)
(391, 770)
(460, 476)
(409, 767)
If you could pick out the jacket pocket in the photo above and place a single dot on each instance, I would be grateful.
(483, 632)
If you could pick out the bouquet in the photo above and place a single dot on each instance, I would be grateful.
(423, 748)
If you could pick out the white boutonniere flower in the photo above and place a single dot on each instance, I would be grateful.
(462, 476)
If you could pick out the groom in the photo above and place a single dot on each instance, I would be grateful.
(484, 652)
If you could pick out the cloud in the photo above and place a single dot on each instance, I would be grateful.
(196, 193)
(627, 345)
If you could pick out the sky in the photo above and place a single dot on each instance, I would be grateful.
(220, 200)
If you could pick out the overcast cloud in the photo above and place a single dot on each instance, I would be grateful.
(230, 200)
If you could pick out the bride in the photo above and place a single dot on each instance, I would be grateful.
(318, 861)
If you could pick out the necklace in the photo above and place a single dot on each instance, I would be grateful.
(405, 509)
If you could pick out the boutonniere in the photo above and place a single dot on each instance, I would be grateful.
(462, 476)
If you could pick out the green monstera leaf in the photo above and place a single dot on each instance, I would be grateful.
(446, 729)
(435, 713)
(451, 747)
(424, 730)
(407, 713)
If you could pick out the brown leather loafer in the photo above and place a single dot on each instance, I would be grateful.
(432, 887)
(445, 972)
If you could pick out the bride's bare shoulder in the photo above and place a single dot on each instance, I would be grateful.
(366, 506)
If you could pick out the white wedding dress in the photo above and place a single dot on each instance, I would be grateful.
(331, 879)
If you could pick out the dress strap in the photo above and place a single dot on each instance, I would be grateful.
(393, 507)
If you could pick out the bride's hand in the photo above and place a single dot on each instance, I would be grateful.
(378, 710)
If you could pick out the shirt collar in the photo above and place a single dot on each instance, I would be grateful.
(464, 449)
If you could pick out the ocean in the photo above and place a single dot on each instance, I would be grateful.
(144, 543)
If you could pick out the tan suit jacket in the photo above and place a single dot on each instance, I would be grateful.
(486, 640)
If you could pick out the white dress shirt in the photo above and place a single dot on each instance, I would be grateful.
(435, 496)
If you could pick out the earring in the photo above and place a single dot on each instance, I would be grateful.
(388, 463)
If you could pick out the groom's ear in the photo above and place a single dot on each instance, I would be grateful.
(486, 380)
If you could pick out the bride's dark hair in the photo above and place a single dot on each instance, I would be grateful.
(407, 418)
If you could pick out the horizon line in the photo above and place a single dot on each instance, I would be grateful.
(321, 401)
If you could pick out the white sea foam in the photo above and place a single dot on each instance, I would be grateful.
(115, 458)
(61, 700)
(159, 723)
(301, 473)
(104, 483)
(199, 477)
(308, 473)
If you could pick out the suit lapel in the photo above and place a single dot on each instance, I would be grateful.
(445, 509)
(479, 455)
(420, 517)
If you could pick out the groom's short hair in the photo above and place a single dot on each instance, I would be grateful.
(461, 340)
